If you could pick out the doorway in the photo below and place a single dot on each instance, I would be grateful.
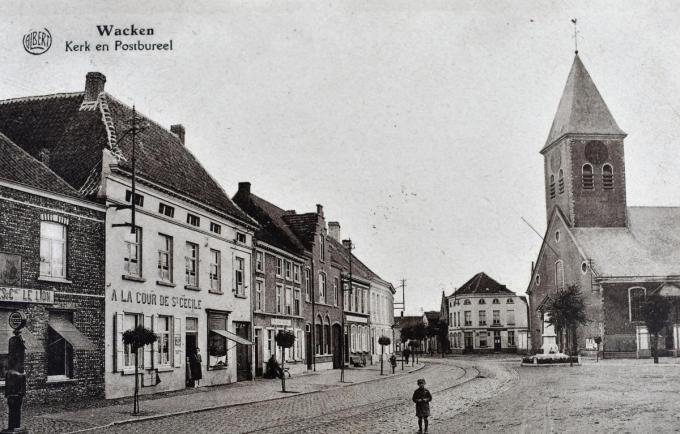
(243, 367)
(337, 346)
(192, 343)
(497, 340)
(468, 342)
(258, 353)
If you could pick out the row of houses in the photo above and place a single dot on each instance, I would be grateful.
(108, 222)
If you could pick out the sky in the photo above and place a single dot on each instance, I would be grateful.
(417, 124)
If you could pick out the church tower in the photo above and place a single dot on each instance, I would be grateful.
(583, 157)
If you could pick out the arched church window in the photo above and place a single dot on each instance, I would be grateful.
(607, 177)
(560, 182)
(467, 301)
(636, 297)
(559, 274)
(552, 186)
(587, 177)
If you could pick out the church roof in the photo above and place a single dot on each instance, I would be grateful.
(482, 284)
(582, 109)
(649, 246)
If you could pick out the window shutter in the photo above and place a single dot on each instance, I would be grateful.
(233, 273)
(154, 347)
(147, 349)
(118, 351)
(178, 329)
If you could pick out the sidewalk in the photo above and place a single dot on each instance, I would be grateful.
(102, 412)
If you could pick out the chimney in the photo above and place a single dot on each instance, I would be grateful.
(94, 85)
(347, 244)
(289, 212)
(179, 131)
(319, 209)
(334, 230)
(243, 187)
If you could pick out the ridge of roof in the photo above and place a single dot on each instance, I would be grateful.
(40, 97)
(481, 283)
(582, 109)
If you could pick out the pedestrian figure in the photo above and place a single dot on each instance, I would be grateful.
(422, 398)
(406, 353)
(273, 369)
(195, 366)
(393, 362)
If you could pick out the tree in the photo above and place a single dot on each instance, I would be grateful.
(566, 311)
(655, 312)
(383, 341)
(284, 339)
(137, 338)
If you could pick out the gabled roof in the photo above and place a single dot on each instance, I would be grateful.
(649, 246)
(432, 315)
(406, 321)
(582, 109)
(340, 257)
(481, 284)
(304, 226)
(76, 136)
(18, 166)
(273, 229)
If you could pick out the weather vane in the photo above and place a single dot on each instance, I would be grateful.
(576, 32)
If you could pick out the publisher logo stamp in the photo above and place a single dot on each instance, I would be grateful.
(37, 42)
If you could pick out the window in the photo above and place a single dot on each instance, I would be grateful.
(467, 301)
(308, 284)
(215, 272)
(560, 182)
(336, 290)
(636, 298)
(607, 177)
(511, 338)
(557, 236)
(552, 186)
(279, 298)
(482, 317)
(296, 273)
(214, 227)
(318, 328)
(496, 317)
(133, 260)
(510, 317)
(509, 301)
(166, 210)
(258, 295)
(163, 357)
(287, 268)
(296, 303)
(559, 274)
(584, 267)
(130, 322)
(482, 339)
(191, 264)
(139, 199)
(279, 267)
(59, 350)
(52, 249)
(322, 247)
(239, 286)
(165, 258)
(327, 336)
(217, 344)
(538, 279)
(289, 301)
(468, 317)
(193, 220)
(259, 261)
(240, 237)
(322, 288)
(587, 177)
(482, 301)
(495, 301)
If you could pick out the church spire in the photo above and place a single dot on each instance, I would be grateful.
(582, 109)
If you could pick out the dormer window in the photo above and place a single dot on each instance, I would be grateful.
(481, 301)
(607, 177)
(467, 301)
(509, 301)
(495, 301)
(587, 177)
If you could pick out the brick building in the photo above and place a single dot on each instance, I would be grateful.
(278, 272)
(184, 270)
(616, 254)
(52, 270)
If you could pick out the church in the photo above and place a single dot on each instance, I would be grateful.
(617, 255)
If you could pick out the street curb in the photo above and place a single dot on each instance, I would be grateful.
(238, 404)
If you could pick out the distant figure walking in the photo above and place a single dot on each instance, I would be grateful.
(406, 353)
(422, 398)
(273, 369)
(393, 362)
(195, 366)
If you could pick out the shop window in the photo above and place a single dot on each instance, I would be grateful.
(239, 286)
(165, 258)
(59, 350)
(52, 249)
(482, 339)
(511, 338)
(191, 269)
(215, 272)
(163, 331)
(130, 322)
(217, 344)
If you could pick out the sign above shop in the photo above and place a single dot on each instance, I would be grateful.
(281, 322)
(16, 320)
(25, 295)
(353, 318)
(153, 299)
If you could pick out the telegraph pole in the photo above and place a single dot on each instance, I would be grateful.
(349, 247)
(133, 205)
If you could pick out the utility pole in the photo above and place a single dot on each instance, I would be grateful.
(133, 205)
(401, 305)
(349, 246)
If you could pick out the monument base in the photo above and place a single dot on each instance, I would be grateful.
(550, 344)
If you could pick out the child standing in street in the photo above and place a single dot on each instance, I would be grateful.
(422, 398)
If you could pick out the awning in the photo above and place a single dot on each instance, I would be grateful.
(232, 336)
(71, 334)
(32, 344)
